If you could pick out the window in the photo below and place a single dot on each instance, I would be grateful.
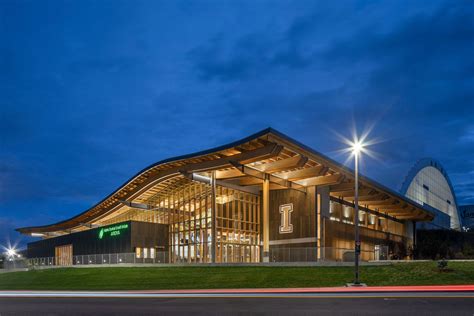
(152, 253)
(426, 187)
(145, 253)
(138, 252)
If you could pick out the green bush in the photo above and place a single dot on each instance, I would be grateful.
(442, 265)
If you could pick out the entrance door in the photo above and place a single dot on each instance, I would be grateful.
(63, 255)
(377, 252)
(380, 252)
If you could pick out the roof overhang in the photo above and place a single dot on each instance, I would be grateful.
(267, 154)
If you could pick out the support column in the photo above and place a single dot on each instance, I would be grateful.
(213, 216)
(318, 226)
(414, 241)
(322, 213)
(266, 219)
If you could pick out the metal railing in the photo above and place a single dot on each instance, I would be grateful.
(308, 254)
(110, 258)
(17, 263)
(324, 254)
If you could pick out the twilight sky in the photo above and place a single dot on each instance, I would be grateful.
(91, 92)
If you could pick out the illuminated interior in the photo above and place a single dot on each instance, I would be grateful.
(216, 204)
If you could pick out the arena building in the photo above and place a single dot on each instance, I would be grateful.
(428, 184)
(264, 198)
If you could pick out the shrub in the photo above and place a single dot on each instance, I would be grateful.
(442, 265)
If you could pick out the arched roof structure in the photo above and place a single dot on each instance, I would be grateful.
(427, 182)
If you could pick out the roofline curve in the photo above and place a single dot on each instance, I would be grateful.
(172, 159)
(254, 136)
(421, 164)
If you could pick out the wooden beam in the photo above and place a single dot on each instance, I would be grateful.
(375, 197)
(304, 173)
(271, 150)
(284, 164)
(323, 180)
(350, 194)
(260, 175)
(223, 183)
(261, 153)
(401, 213)
(268, 151)
(389, 207)
(382, 203)
(229, 174)
(348, 186)
(414, 216)
(249, 180)
(274, 186)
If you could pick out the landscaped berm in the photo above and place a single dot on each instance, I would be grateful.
(195, 277)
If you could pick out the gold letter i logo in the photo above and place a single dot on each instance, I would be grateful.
(286, 225)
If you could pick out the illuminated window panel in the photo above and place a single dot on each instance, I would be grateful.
(138, 252)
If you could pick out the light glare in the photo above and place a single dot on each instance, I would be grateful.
(11, 252)
(357, 147)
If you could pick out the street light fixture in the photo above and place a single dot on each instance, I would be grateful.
(357, 149)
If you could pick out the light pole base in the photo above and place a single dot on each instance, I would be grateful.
(356, 285)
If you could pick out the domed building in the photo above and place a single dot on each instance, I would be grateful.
(428, 184)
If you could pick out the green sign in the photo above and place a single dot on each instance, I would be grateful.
(112, 230)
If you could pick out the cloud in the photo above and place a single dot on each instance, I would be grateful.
(412, 76)
(255, 54)
(90, 108)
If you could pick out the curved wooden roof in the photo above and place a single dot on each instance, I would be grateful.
(268, 153)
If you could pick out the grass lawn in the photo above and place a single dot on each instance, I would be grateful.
(195, 277)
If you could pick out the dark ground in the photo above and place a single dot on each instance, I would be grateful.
(416, 305)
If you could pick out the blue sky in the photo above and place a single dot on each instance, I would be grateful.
(94, 91)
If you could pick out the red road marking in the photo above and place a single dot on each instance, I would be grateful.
(422, 288)
(367, 289)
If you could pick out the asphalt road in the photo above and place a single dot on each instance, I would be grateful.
(360, 304)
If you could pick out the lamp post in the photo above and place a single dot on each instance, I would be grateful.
(356, 149)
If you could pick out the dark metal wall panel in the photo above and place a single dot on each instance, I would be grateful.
(89, 241)
(149, 235)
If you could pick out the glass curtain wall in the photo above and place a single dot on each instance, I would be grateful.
(238, 226)
(187, 208)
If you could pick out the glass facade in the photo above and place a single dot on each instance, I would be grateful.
(430, 186)
(186, 207)
(238, 226)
